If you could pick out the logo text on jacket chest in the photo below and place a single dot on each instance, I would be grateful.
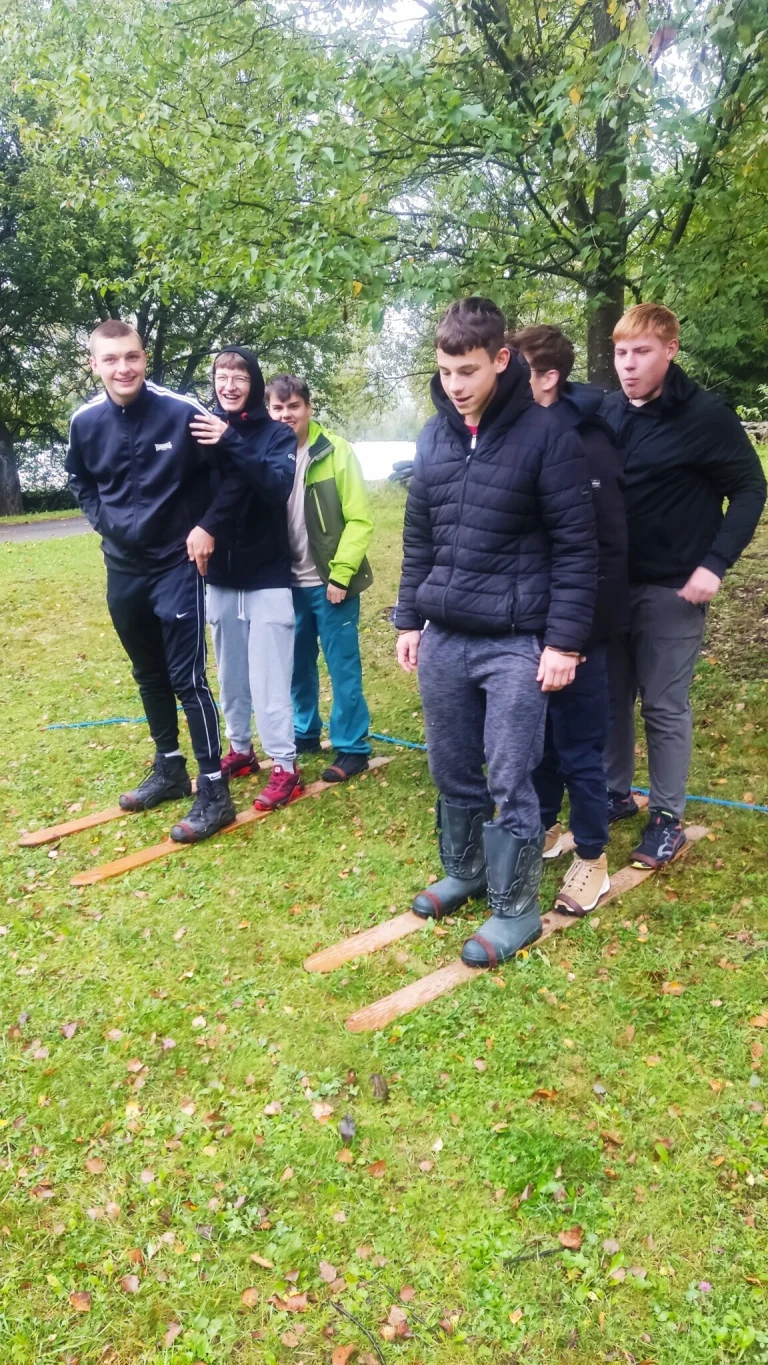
(165, 445)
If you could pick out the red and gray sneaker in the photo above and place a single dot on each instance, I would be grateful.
(282, 788)
(239, 765)
(663, 840)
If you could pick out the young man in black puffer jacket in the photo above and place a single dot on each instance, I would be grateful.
(250, 606)
(577, 720)
(496, 603)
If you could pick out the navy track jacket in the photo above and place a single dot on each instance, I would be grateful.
(142, 480)
(500, 537)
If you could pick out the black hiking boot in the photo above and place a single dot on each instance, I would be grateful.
(344, 766)
(514, 873)
(663, 839)
(308, 744)
(621, 807)
(460, 839)
(167, 780)
(213, 809)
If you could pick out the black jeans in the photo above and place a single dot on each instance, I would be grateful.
(160, 619)
(575, 737)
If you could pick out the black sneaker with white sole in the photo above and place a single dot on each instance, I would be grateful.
(620, 807)
(663, 839)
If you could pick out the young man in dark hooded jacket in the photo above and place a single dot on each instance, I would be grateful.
(577, 718)
(250, 606)
(684, 453)
(496, 601)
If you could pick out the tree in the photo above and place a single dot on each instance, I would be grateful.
(520, 139)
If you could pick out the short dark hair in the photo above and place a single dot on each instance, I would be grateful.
(230, 360)
(470, 323)
(284, 386)
(545, 348)
(111, 330)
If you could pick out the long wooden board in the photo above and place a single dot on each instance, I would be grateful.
(153, 852)
(446, 979)
(390, 931)
(52, 833)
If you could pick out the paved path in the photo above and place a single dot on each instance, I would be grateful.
(44, 530)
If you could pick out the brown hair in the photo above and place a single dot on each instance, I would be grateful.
(545, 348)
(647, 317)
(111, 330)
(230, 360)
(284, 386)
(469, 324)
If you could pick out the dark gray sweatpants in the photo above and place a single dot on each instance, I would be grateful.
(483, 705)
(655, 659)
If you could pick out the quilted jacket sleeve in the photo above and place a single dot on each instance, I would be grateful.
(417, 541)
(568, 514)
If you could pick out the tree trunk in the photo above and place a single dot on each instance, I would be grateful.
(10, 488)
(607, 306)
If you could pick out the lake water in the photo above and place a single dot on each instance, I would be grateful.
(377, 457)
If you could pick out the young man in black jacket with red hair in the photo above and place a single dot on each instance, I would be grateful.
(577, 719)
(496, 601)
(683, 453)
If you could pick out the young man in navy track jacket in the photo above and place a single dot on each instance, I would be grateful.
(143, 481)
(500, 558)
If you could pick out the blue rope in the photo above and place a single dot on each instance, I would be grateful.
(401, 744)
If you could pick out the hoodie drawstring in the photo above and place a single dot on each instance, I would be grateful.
(240, 605)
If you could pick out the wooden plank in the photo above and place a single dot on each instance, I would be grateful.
(359, 945)
(391, 931)
(446, 979)
(34, 838)
(154, 852)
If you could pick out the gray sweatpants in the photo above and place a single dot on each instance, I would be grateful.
(253, 642)
(483, 705)
(655, 659)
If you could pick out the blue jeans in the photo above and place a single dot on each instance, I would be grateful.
(335, 628)
(575, 738)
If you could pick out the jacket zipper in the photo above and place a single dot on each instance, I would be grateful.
(317, 509)
(467, 462)
(132, 458)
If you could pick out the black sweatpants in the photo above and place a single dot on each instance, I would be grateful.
(160, 619)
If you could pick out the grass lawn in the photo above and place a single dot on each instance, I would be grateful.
(174, 1186)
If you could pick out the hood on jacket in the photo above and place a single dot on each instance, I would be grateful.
(255, 408)
(511, 397)
(585, 399)
(678, 388)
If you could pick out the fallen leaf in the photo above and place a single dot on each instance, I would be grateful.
(167, 1044)
(347, 1128)
(571, 1238)
(147, 1176)
(322, 1111)
(289, 1339)
(112, 1210)
(287, 1173)
(136, 1256)
(377, 1168)
(426, 1166)
(479, 1064)
(68, 1030)
(542, 1094)
(717, 1086)
(653, 1060)
(199, 1021)
(134, 1065)
(174, 1330)
(516, 1315)
(262, 1261)
(178, 936)
(327, 1272)
(296, 1303)
(407, 1293)
(274, 1107)
(94, 1165)
(344, 1156)
(364, 1252)
(341, 1355)
(759, 1021)
(672, 988)
(249, 1297)
(80, 1300)
(749, 798)
(379, 1087)
(438, 1145)
(187, 1107)
(130, 1284)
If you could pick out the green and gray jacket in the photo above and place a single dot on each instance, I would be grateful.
(339, 525)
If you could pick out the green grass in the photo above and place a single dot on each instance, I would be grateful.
(601, 1101)
(22, 518)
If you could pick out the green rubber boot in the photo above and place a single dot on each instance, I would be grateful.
(514, 873)
(460, 839)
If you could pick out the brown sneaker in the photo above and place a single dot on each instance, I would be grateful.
(586, 881)
(553, 842)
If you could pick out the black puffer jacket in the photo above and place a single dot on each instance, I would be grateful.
(577, 411)
(500, 537)
(252, 549)
(683, 454)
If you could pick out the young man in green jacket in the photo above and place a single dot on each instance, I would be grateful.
(329, 528)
